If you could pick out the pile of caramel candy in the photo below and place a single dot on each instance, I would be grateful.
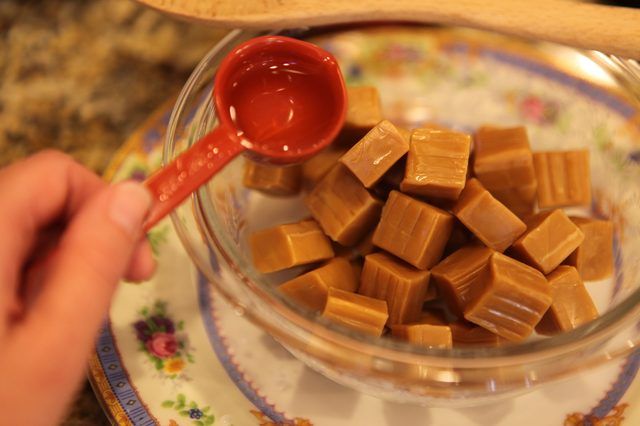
(437, 237)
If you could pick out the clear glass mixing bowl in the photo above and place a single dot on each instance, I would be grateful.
(460, 78)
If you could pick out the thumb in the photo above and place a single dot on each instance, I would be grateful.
(93, 255)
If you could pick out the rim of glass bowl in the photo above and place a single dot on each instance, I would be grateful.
(305, 324)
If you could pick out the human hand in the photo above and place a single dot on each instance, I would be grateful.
(66, 239)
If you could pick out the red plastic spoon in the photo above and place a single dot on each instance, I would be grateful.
(280, 99)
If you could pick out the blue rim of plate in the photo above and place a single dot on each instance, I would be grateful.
(107, 367)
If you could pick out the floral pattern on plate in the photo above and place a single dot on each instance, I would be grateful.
(191, 410)
(163, 341)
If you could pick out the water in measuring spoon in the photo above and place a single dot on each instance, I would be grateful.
(282, 104)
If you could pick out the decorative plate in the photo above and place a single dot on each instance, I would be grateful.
(172, 352)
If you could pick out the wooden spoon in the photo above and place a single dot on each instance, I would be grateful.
(610, 29)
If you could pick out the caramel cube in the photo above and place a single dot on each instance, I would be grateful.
(356, 267)
(412, 230)
(432, 293)
(510, 300)
(503, 159)
(391, 180)
(356, 311)
(563, 178)
(375, 153)
(343, 207)
(571, 307)
(465, 334)
(503, 163)
(406, 133)
(365, 245)
(460, 237)
(594, 257)
(427, 335)
(289, 245)
(550, 238)
(344, 252)
(493, 223)
(311, 289)
(432, 317)
(272, 180)
(437, 164)
(519, 200)
(364, 110)
(433, 126)
(358, 251)
(402, 286)
(458, 273)
(319, 165)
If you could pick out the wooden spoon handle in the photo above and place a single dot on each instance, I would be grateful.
(610, 29)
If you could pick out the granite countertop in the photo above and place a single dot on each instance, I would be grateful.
(80, 76)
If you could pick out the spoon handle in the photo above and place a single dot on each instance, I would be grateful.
(174, 182)
(610, 29)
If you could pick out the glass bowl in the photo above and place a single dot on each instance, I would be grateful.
(461, 79)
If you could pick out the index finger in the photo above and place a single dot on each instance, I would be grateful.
(34, 193)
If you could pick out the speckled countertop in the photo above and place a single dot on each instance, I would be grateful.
(80, 76)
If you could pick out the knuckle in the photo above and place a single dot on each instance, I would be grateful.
(53, 156)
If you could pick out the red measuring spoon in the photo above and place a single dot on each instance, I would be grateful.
(279, 99)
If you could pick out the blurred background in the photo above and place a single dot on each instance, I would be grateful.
(80, 76)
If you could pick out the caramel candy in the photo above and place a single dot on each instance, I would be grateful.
(391, 180)
(563, 178)
(432, 293)
(493, 223)
(318, 166)
(343, 207)
(365, 246)
(356, 267)
(272, 180)
(364, 110)
(594, 257)
(503, 163)
(375, 153)
(432, 317)
(434, 126)
(344, 252)
(519, 200)
(437, 163)
(510, 299)
(289, 245)
(458, 273)
(427, 335)
(571, 307)
(311, 289)
(412, 230)
(549, 240)
(406, 133)
(466, 334)
(460, 237)
(358, 251)
(355, 311)
(402, 286)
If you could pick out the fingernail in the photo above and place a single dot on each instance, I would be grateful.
(128, 206)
